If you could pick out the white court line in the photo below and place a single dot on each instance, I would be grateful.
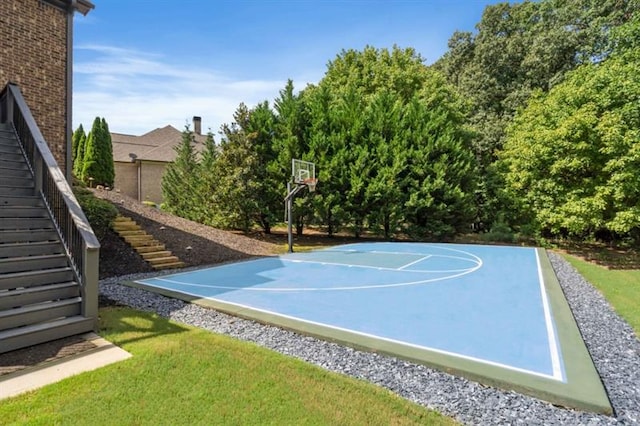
(355, 287)
(399, 342)
(551, 332)
(413, 263)
(380, 268)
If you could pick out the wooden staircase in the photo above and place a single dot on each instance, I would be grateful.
(151, 250)
(40, 298)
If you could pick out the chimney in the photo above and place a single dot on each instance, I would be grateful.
(197, 125)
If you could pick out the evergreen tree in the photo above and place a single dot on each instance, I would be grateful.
(97, 164)
(107, 154)
(77, 149)
(260, 129)
(204, 208)
(235, 195)
(89, 159)
(289, 142)
(389, 139)
(180, 181)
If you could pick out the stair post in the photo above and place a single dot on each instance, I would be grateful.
(90, 275)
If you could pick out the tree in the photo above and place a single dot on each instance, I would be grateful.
(78, 142)
(107, 153)
(519, 49)
(384, 194)
(206, 182)
(235, 195)
(260, 131)
(97, 164)
(389, 138)
(180, 181)
(571, 157)
(289, 141)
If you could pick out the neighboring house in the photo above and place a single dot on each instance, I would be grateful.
(141, 161)
(36, 54)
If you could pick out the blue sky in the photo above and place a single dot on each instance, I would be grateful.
(143, 64)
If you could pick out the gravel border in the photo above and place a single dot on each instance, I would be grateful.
(611, 341)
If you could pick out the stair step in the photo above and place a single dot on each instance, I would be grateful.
(161, 260)
(149, 249)
(12, 156)
(144, 243)
(17, 182)
(140, 239)
(14, 165)
(35, 278)
(155, 254)
(23, 212)
(21, 201)
(10, 148)
(28, 296)
(30, 249)
(38, 333)
(32, 263)
(119, 227)
(25, 236)
(11, 223)
(8, 138)
(12, 191)
(173, 265)
(132, 233)
(41, 312)
(22, 172)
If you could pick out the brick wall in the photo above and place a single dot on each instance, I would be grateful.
(33, 54)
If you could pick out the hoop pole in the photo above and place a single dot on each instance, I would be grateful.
(289, 200)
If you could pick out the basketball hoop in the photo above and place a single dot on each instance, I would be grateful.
(311, 184)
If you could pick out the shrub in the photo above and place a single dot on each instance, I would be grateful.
(500, 232)
(100, 213)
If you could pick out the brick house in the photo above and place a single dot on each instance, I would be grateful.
(49, 255)
(36, 54)
(141, 161)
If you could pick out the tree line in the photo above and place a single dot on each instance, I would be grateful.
(530, 123)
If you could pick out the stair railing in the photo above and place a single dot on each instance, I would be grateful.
(80, 242)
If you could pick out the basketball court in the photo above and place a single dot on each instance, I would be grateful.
(493, 314)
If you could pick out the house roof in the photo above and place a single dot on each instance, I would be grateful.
(156, 145)
(82, 6)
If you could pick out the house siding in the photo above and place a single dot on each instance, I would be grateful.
(126, 180)
(150, 179)
(33, 55)
(151, 175)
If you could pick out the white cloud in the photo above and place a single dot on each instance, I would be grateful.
(137, 92)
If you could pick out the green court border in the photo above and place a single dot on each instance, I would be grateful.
(583, 388)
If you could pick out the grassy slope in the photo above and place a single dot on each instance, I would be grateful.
(620, 287)
(184, 375)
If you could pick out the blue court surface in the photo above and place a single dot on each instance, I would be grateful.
(490, 313)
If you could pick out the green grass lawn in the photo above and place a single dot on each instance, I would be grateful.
(184, 375)
(621, 287)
